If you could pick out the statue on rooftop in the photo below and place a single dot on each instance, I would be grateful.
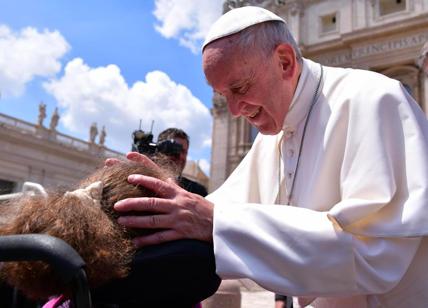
(54, 120)
(103, 135)
(42, 114)
(93, 132)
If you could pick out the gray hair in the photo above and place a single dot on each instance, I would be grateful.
(265, 37)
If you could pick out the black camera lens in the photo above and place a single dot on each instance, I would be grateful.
(169, 147)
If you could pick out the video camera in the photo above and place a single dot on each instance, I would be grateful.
(143, 143)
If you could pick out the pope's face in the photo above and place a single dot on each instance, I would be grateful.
(259, 89)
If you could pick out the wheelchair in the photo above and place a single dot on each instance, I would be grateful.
(63, 258)
(174, 274)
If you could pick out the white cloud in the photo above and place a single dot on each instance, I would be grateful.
(27, 54)
(207, 143)
(187, 20)
(102, 95)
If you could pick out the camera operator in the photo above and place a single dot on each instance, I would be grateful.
(179, 136)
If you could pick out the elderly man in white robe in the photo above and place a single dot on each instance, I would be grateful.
(330, 205)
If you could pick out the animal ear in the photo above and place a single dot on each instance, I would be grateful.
(89, 195)
(95, 190)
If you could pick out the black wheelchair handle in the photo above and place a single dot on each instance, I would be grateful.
(42, 247)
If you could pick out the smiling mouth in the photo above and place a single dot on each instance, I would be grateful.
(255, 113)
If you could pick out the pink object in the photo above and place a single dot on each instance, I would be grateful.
(55, 302)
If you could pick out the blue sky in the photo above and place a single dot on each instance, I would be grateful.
(109, 62)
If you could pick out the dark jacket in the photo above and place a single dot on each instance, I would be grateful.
(192, 186)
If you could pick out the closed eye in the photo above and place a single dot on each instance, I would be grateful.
(242, 86)
(240, 90)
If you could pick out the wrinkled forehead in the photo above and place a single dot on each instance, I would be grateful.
(224, 53)
(219, 51)
(225, 63)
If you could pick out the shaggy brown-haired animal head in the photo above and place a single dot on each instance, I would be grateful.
(91, 229)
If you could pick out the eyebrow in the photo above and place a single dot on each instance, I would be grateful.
(241, 82)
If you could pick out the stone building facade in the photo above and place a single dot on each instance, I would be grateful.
(385, 36)
(30, 152)
(34, 153)
(194, 172)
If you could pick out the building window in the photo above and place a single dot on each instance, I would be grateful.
(387, 7)
(6, 187)
(329, 23)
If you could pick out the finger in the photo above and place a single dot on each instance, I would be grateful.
(156, 238)
(161, 188)
(144, 204)
(146, 222)
(111, 161)
(143, 159)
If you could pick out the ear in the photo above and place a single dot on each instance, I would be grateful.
(286, 57)
(90, 195)
(95, 190)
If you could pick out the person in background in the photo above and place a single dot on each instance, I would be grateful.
(179, 136)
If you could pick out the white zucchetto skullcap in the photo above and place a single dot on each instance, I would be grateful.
(237, 20)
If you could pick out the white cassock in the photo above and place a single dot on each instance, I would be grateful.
(354, 234)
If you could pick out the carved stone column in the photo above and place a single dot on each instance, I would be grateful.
(220, 142)
(238, 126)
(424, 96)
(295, 14)
(422, 63)
(233, 4)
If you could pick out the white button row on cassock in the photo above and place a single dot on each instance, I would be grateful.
(289, 157)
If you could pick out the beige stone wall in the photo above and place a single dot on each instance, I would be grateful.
(193, 172)
(36, 154)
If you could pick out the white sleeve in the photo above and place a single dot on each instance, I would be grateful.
(365, 243)
(298, 251)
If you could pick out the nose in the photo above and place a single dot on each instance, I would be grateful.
(235, 106)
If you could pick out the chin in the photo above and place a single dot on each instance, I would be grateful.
(269, 130)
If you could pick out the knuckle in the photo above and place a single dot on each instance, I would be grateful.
(154, 221)
(160, 237)
(161, 188)
(186, 215)
(151, 203)
(171, 181)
